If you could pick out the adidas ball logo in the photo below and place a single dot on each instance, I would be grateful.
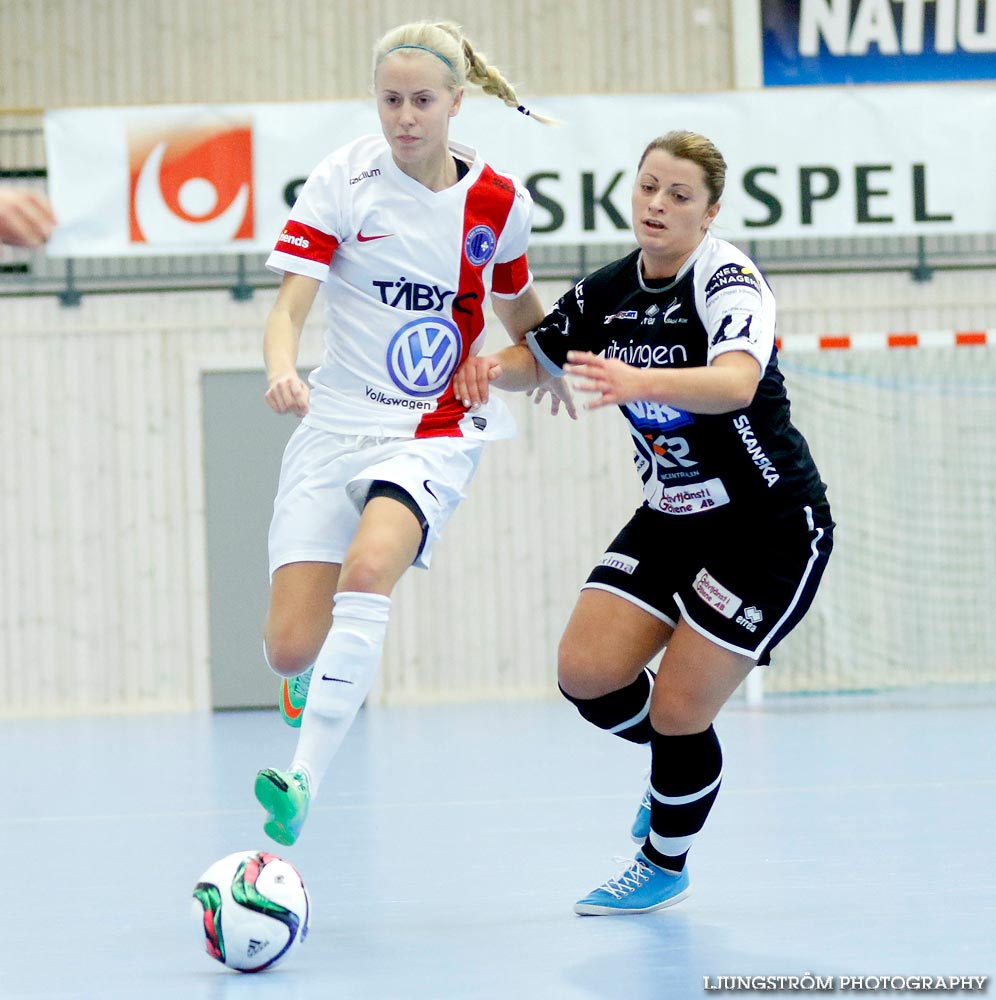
(255, 947)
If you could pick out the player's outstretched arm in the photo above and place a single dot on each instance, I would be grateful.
(519, 316)
(514, 369)
(728, 384)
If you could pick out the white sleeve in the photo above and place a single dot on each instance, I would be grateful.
(315, 225)
(515, 236)
(737, 309)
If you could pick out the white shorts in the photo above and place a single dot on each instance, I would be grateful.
(325, 479)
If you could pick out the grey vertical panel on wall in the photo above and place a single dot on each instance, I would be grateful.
(243, 443)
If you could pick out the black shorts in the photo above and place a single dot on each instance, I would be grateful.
(742, 582)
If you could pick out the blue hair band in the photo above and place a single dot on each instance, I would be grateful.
(424, 48)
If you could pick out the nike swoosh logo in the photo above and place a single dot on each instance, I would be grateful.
(425, 483)
(292, 712)
(338, 680)
(366, 239)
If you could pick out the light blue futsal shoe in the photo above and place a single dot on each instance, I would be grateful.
(641, 822)
(642, 888)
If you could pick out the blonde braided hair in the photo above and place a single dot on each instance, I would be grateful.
(447, 42)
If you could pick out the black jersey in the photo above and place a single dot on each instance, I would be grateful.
(753, 459)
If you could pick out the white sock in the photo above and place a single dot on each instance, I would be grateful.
(344, 673)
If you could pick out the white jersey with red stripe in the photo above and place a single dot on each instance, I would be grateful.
(405, 272)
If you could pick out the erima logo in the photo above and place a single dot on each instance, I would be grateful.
(616, 560)
(750, 618)
(298, 241)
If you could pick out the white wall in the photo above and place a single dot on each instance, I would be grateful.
(102, 575)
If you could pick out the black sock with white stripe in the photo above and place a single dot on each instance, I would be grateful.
(624, 713)
(685, 774)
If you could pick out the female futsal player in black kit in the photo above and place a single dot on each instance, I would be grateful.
(724, 556)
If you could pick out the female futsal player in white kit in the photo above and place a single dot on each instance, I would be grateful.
(406, 234)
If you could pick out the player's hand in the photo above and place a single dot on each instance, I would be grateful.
(612, 381)
(26, 218)
(288, 394)
(472, 381)
(559, 390)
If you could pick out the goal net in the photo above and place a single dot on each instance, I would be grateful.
(903, 429)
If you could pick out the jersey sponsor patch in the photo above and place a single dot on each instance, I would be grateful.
(645, 416)
(736, 325)
(716, 595)
(554, 321)
(480, 245)
(625, 314)
(754, 450)
(693, 499)
(728, 276)
(307, 242)
(616, 560)
(423, 355)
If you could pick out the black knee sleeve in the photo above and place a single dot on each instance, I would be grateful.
(624, 713)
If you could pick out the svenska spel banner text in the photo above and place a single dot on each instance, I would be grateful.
(813, 162)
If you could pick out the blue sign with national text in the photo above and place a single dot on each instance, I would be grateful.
(812, 42)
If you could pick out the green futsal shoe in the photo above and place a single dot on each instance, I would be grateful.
(293, 695)
(285, 795)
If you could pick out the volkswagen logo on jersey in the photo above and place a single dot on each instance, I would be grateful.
(423, 355)
(480, 245)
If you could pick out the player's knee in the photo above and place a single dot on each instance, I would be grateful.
(582, 675)
(365, 571)
(680, 713)
(287, 654)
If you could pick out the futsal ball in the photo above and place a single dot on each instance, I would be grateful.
(252, 909)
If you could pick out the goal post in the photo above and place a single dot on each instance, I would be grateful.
(903, 430)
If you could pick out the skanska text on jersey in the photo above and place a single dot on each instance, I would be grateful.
(764, 464)
(416, 297)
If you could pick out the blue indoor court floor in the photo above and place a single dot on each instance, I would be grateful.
(854, 835)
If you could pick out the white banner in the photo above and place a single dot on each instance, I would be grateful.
(807, 162)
